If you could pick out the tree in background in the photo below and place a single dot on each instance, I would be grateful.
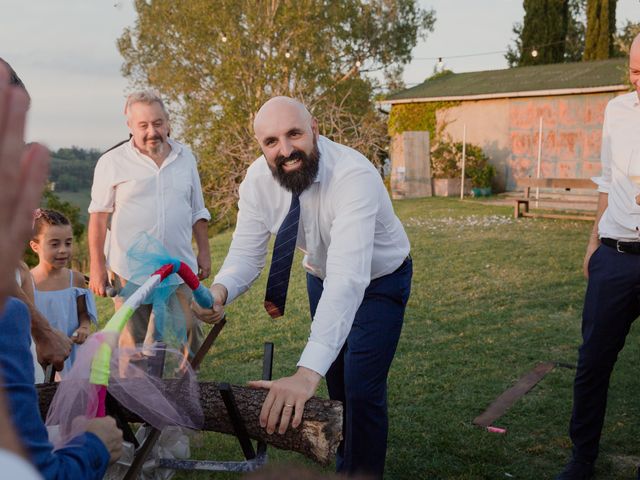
(217, 62)
(576, 26)
(71, 169)
(601, 27)
(540, 39)
(622, 39)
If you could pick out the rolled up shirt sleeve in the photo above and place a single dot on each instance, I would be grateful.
(604, 180)
(248, 250)
(348, 271)
(103, 189)
(198, 208)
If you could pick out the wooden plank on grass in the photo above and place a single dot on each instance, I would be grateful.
(561, 216)
(501, 404)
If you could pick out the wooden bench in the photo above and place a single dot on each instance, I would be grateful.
(566, 184)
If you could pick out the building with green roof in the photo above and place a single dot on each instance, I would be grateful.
(502, 111)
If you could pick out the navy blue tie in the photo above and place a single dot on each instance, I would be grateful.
(281, 261)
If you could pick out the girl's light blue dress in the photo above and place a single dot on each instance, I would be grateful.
(59, 307)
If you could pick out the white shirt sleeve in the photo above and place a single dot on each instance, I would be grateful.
(348, 273)
(198, 209)
(604, 180)
(248, 250)
(103, 191)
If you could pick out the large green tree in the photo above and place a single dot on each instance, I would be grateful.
(541, 38)
(601, 28)
(217, 62)
(623, 38)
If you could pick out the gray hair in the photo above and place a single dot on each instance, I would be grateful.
(147, 97)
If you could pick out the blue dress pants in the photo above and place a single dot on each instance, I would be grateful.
(358, 376)
(610, 307)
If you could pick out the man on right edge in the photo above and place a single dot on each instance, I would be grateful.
(612, 265)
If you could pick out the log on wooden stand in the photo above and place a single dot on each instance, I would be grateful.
(317, 437)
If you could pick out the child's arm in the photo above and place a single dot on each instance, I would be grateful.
(84, 319)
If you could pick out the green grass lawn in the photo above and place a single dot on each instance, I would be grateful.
(491, 297)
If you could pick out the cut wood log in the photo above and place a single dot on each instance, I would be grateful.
(317, 437)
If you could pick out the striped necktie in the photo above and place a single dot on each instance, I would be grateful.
(281, 261)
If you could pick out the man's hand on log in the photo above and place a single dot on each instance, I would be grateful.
(286, 399)
(215, 314)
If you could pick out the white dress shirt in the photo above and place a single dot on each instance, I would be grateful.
(348, 232)
(164, 201)
(620, 177)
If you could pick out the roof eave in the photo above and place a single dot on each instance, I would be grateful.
(530, 93)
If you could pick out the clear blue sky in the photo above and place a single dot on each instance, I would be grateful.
(65, 53)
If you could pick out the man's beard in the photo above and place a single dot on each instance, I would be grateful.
(300, 179)
(155, 148)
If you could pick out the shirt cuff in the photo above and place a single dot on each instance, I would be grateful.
(603, 185)
(200, 215)
(233, 290)
(317, 357)
(96, 208)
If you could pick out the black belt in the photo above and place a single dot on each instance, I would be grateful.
(406, 260)
(622, 247)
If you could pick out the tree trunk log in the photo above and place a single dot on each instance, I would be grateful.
(317, 437)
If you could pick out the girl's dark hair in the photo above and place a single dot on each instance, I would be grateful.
(42, 217)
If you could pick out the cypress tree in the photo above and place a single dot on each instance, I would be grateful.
(601, 27)
(543, 31)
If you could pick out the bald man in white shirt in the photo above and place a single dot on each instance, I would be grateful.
(358, 274)
(612, 265)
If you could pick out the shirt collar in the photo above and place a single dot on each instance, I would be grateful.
(321, 175)
(173, 154)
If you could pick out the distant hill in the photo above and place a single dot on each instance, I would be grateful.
(72, 168)
(71, 175)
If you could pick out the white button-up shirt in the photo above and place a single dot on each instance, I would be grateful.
(620, 177)
(348, 232)
(162, 201)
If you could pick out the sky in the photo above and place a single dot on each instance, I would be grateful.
(65, 52)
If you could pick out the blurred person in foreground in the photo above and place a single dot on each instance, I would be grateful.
(22, 432)
(51, 346)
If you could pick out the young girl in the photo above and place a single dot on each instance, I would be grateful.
(60, 293)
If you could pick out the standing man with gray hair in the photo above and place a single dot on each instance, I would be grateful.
(149, 184)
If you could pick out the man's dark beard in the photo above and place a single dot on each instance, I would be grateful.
(298, 180)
